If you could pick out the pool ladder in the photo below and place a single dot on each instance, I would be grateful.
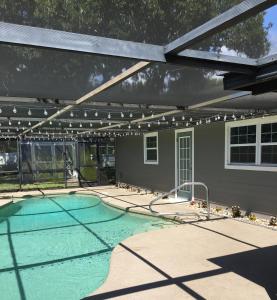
(174, 191)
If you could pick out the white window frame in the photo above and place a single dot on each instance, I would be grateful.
(145, 136)
(257, 166)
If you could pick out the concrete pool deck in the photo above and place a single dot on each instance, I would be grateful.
(216, 259)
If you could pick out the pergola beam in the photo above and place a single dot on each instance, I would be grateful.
(215, 61)
(223, 21)
(23, 35)
(120, 77)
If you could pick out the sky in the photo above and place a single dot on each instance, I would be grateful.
(271, 16)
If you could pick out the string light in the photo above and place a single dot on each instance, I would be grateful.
(163, 118)
(29, 124)
(183, 118)
(109, 115)
(173, 119)
(139, 126)
(142, 115)
(14, 110)
(70, 125)
(225, 118)
(159, 122)
(96, 113)
(45, 112)
(90, 124)
(131, 115)
(71, 114)
(81, 125)
(149, 125)
(85, 114)
(50, 123)
(18, 122)
(122, 115)
(10, 123)
(29, 112)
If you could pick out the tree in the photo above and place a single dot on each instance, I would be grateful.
(46, 73)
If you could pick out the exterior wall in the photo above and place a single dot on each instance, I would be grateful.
(251, 190)
(130, 167)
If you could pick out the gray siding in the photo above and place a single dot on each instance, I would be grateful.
(252, 190)
(130, 167)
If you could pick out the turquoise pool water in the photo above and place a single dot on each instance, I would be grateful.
(59, 247)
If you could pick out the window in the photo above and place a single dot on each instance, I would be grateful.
(251, 144)
(151, 155)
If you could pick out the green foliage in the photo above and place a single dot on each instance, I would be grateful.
(273, 221)
(236, 212)
(218, 209)
(150, 21)
(252, 217)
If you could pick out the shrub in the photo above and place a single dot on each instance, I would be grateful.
(236, 213)
(252, 217)
(273, 221)
(218, 209)
(204, 204)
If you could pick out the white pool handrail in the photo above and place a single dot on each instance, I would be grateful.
(175, 190)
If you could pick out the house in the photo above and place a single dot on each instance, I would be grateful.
(236, 159)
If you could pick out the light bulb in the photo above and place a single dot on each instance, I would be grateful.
(173, 119)
(143, 115)
(70, 125)
(0, 110)
(149, 125)
(90, 124)
(18, 122)
(45, 112)
(85, 114)
(96, 114)
(109, 115)
(183, 118)
(122, 115)
(29, 123)
(139, 126)
(163, 118)
(131, 115)
(50, 123)
(81, 125)
(71, 114)
(14, 110)
(29, 112)
(159, 122)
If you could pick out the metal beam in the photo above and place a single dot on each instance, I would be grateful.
(122, 76)
(225, 20)
(61, 40)
(216, 61)
(140, 120)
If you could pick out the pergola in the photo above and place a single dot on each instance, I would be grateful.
(245, 87)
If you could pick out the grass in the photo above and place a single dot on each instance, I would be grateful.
(42, 185)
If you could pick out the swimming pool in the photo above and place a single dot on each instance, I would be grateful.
(59, 247)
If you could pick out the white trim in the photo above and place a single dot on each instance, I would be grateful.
(192, 157)
(250, 167)
(146, 135)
